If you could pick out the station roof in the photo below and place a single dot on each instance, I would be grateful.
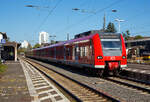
(139, 40)
(14, 44)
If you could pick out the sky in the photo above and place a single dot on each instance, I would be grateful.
(58, 19)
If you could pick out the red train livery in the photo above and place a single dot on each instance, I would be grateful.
(100, 52)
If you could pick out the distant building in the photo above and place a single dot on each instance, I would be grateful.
(138, 47)
(24, 44)
(3, 36)
(8, 50)
(43, 37)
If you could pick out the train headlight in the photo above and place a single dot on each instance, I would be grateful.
(99, 57)
(123, 57)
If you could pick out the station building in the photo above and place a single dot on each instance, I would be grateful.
(138, 48)
(8, 49)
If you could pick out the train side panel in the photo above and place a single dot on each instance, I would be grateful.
(124, 56)
(99, 62)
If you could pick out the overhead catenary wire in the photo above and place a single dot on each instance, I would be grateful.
(86, 18)
(133, 18)
(50, 12)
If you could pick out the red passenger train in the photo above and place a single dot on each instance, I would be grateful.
(96, 51)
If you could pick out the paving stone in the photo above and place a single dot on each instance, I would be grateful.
(13, 87)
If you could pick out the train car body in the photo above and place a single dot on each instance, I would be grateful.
(98, 52)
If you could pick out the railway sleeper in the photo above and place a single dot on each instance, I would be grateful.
(85, 93)
(88, 95)
(90, 98)
(95, 99)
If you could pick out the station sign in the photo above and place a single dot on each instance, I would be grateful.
(3, 41)
(1, 45)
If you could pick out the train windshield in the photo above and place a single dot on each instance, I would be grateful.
(111, 43)
(111, 47)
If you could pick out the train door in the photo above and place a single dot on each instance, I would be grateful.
(76, 52)
(55, 52)
(73, 52)
(64, 52)
(90, 53)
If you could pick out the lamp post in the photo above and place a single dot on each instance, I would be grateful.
(52, 36)
(104, 19)
(119, 20)
(83, 10)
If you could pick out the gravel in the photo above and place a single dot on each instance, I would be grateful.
(122, 93)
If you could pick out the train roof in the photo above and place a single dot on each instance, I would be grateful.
(58, 44)
(88, 34)
(78, 39)
(109, 35)
(80, 35)
(65, 42)
(100, 32)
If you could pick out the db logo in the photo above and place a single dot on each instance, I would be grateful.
(112, 58)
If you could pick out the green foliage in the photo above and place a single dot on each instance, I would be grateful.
(138, 37)
(53, 42)
(36, 45)
(111, 28)
(2, 68)
(126, 35)
(8, 39)
(29, 47)
(21, 50)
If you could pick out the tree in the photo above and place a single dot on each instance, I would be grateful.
(37, 45)
(111, 28)
(8, 39)
(29, 47)
(21, 50)
(138, 37)
(126, 35)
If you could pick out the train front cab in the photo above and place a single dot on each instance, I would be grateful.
(110, 53)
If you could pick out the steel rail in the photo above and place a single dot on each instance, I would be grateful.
(131, 85)
(81, 84)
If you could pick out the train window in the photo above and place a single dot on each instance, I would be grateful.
(111, 44)
(68, 53)
(81, 51)
(86, 49)
(111, 47)
(77, 49)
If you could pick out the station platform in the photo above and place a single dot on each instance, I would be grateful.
(13, 87)
(140, 68)
(22, 83)
(138, 71)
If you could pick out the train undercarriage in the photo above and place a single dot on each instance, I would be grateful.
(111, 69)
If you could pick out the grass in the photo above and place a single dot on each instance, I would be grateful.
(2, 68)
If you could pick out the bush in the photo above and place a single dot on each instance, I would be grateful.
(2, 68)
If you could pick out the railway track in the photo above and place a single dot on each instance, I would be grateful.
(79, 91)
(133, 84)
(134, 80)
(119, 91)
